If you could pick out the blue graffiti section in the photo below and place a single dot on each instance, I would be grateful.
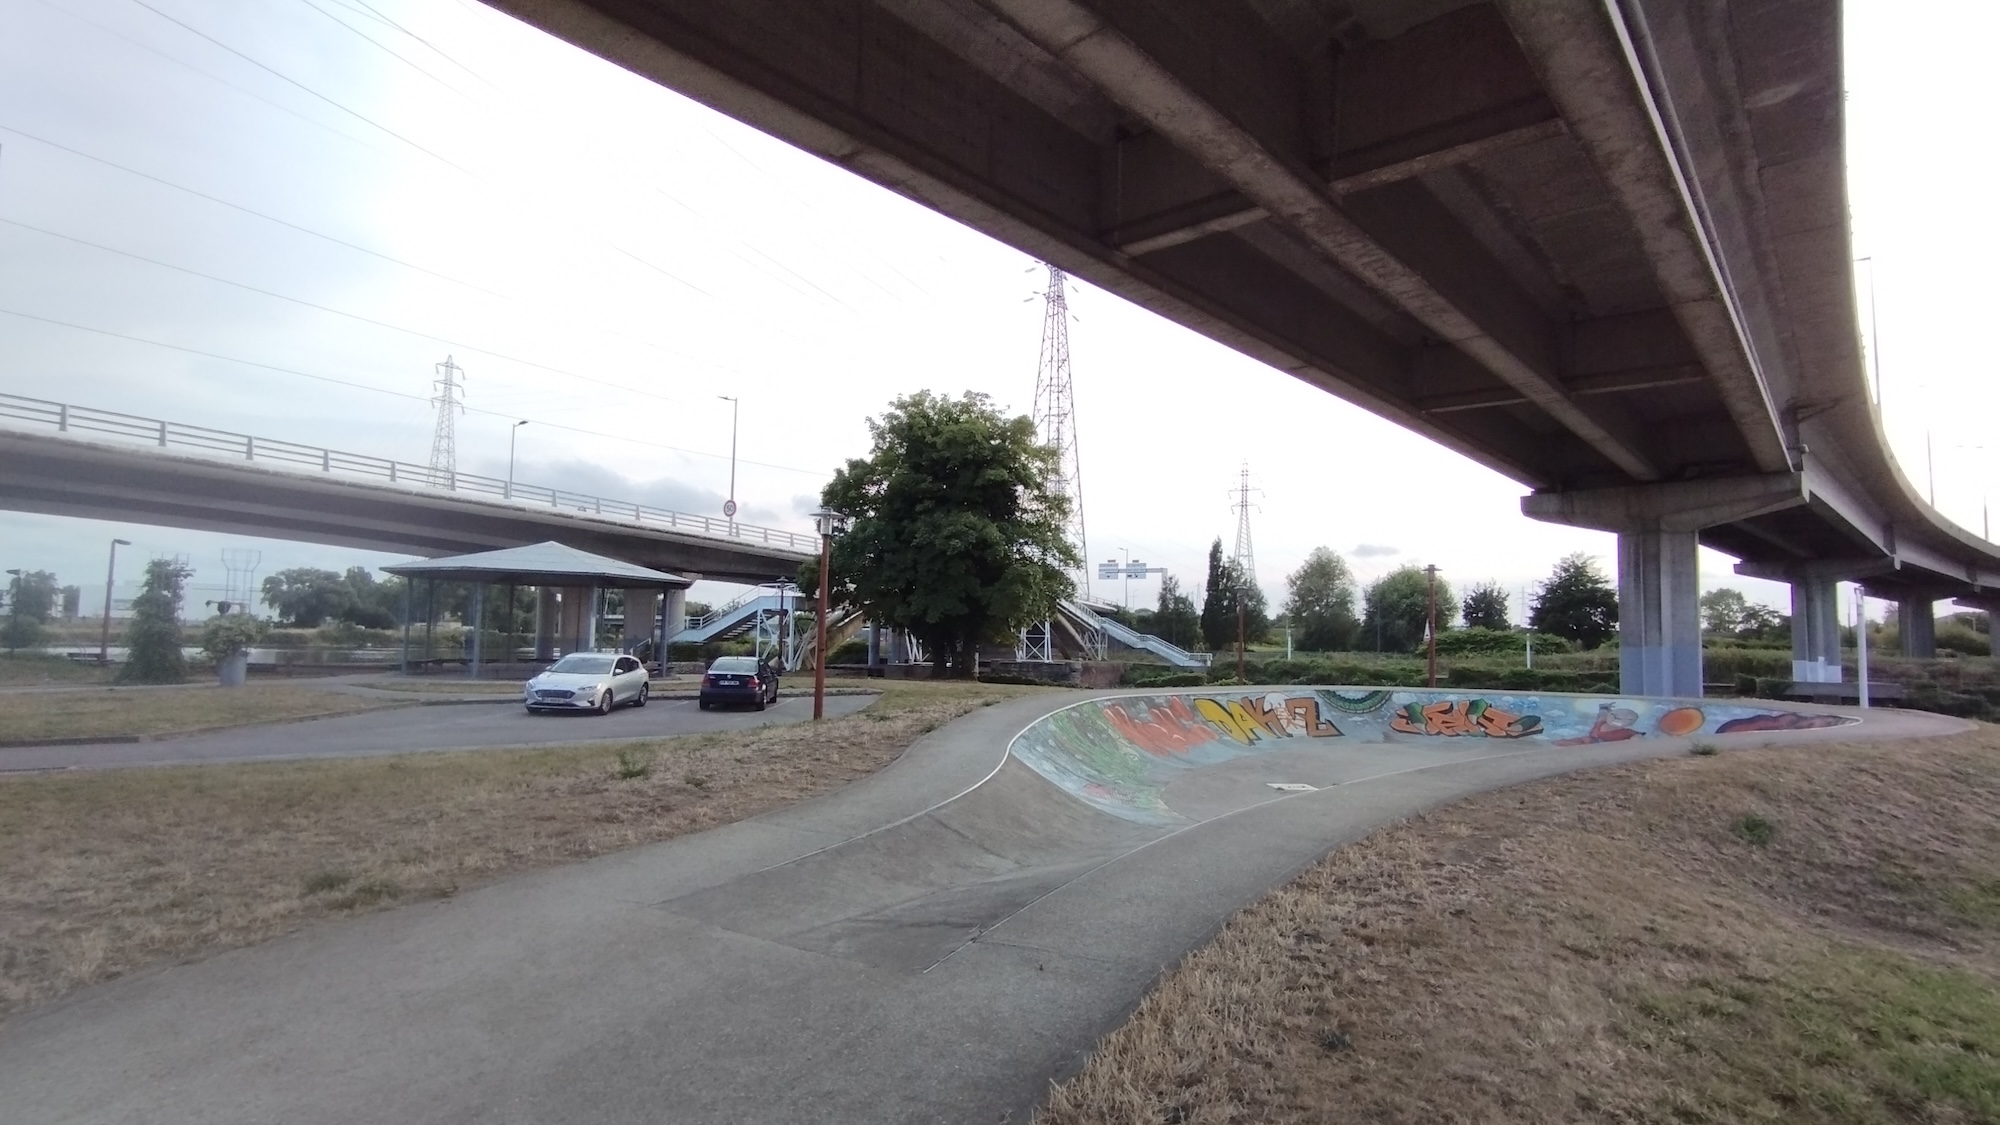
(1119, 754)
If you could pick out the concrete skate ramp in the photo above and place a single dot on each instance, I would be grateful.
(907, 895)
(1172, 760)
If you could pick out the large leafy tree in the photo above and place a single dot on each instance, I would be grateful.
(1485, 607)
(1175, 620)
(306, 596)
(1396, 609)
(1727, 613)
(153, 638)
(957, 535)
(1577, 603)
(1321, 604)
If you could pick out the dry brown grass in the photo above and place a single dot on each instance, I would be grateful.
(124, 712)
(454, 686)
(1609, 947)
(110, 872)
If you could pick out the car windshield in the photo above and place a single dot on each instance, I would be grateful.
(583, 664)
(739, 665)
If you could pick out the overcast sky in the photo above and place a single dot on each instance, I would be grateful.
(372, 186)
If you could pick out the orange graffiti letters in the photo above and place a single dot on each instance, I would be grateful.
(1163, 731)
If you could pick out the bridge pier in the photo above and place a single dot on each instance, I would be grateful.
(579, 619)
(1916, 626)
(642, 619)
(546, 623)
(1659, 578)
(1816, 631)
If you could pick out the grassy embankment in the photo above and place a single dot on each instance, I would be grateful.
(1807, 934)
(115, 871)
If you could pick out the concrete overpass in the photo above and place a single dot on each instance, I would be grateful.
(66, 476)
(1599, 246)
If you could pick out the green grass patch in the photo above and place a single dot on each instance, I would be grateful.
(1848, 1035)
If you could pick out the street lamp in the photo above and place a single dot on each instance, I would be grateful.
(729, 505)
(829, 524)
(110, 573)
(511, 432)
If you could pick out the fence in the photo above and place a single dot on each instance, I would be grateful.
(65, 418)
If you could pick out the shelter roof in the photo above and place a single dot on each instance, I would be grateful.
(541, 564)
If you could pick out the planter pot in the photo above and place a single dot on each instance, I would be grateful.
(233, 669)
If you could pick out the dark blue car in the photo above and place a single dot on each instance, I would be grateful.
(739, 679)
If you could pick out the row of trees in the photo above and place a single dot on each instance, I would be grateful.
(1576, 603)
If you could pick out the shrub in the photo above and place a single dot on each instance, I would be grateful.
(633, 764)
(1755, 829)
(153, 638)
(230, 634)
(1746, 685)
(1177, 679)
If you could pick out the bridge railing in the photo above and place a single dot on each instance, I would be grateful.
(70, 419)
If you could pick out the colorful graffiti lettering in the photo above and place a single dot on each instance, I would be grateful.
(1162, 730)
(1783, 720)
(1454, 718)
(1251, 718)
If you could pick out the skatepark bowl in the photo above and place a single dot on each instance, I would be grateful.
(935, 942)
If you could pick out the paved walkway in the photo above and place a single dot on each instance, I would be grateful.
(931, 944)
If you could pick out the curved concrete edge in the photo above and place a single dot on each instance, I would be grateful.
(1122, 754)
(770, 969)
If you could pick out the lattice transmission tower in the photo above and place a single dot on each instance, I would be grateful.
(1246, 553)
(444, 439)
(1055, 414)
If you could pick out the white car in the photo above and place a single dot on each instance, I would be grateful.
(588, 681)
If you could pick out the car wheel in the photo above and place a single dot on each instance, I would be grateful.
(702, 703)
(606, 702)
(644, 689)
(760, 704)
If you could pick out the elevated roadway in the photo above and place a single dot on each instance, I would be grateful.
(64, 475)
(1599, 246)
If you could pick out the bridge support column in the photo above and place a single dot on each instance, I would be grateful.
(1916, 627)
(478, 623)
(579, 619)
(642, 613)
(1659, 613)
(1659, 580)
(674, 615)
(546, 623)
(1815, 631)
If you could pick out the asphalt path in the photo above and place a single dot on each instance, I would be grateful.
(934, 943)
(402, 730)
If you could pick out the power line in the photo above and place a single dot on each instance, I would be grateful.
(250, 211)
(384, 47)
(198, 71)
(341, 312)
(280, 75)
(816, 473)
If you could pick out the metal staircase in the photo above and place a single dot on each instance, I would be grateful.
(740, 616)
(1104, 629)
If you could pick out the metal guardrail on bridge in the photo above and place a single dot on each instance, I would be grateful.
(65, 418)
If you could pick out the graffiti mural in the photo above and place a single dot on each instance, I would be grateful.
(1119, 754)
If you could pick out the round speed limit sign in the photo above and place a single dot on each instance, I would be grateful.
(729, 508)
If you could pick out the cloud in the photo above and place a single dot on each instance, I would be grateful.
(1374, 551)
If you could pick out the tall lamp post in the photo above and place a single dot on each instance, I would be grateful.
(829, 524)
(1431, 624)
(729, 506)
(110, 574)
(511, 432)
